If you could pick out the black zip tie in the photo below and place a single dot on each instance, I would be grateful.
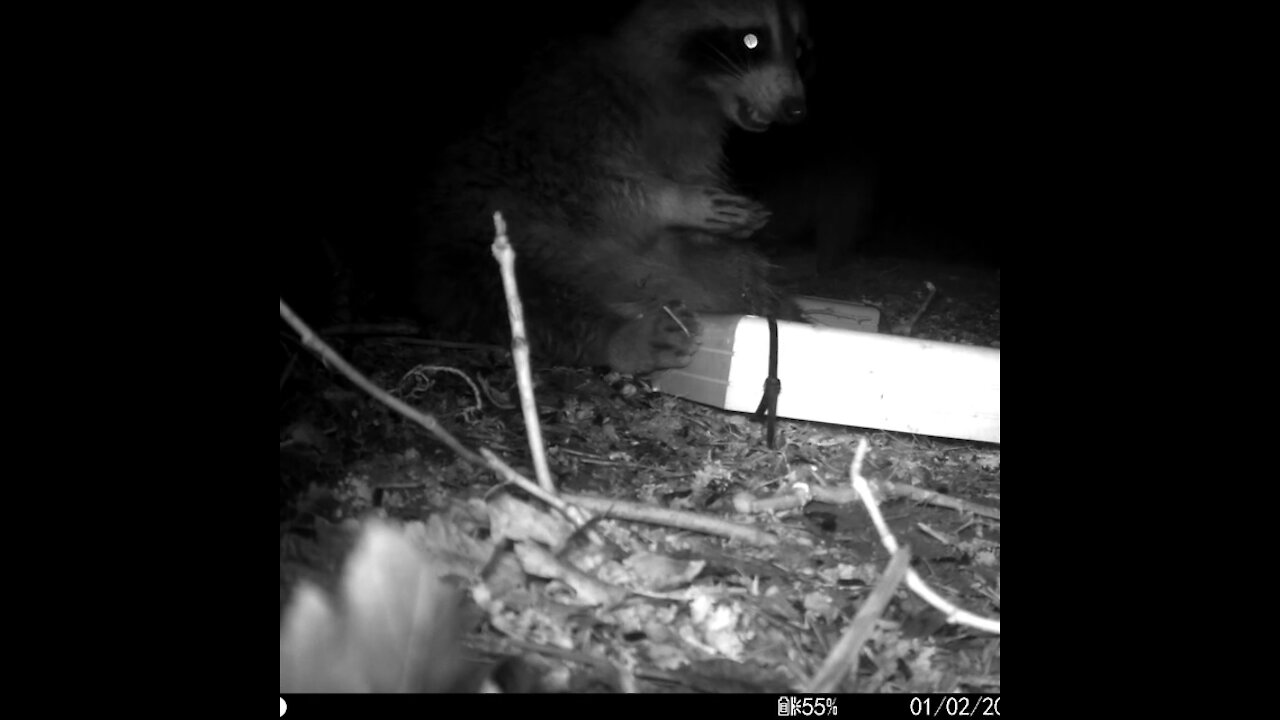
(768, 410)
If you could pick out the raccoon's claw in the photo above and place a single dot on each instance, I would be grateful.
(665, 336)
(752, 225)
(708, 208)
(735, 215)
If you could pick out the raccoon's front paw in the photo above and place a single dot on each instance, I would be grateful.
(665, 336)
(729, 214)
(757, 217)
(708, 208)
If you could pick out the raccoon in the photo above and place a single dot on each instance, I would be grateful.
(608, 165)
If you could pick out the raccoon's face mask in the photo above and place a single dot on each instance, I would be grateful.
(755, 73)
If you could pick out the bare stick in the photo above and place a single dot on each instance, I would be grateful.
(843, 658)
(805, 493)
(909, 326)
(506, 257)
(914, 581)
(506, 472)
(637, 512)
(802, 493)
(311, 340)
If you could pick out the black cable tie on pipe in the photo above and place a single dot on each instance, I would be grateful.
(768, 409)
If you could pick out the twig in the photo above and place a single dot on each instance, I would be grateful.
(506, 257)
(488, 459)
(842, 661)
(914, 581)
(593, 459)
(507, 473)
(908, 327)
(311, 340)
(803, 493)
(887, 488)
(920, 495)
(672, 518)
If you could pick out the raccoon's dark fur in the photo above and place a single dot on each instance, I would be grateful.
(608, 167)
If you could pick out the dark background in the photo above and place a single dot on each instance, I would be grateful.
(917, 93)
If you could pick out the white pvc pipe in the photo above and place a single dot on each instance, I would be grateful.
(846, 377)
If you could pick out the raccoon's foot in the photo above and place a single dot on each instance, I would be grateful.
(711, 209)
(664, 336)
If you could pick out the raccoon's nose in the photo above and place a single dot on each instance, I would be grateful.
(793, 109)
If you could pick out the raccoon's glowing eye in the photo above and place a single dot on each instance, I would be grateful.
(751, 41)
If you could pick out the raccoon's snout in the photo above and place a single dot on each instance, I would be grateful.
(792, 110)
